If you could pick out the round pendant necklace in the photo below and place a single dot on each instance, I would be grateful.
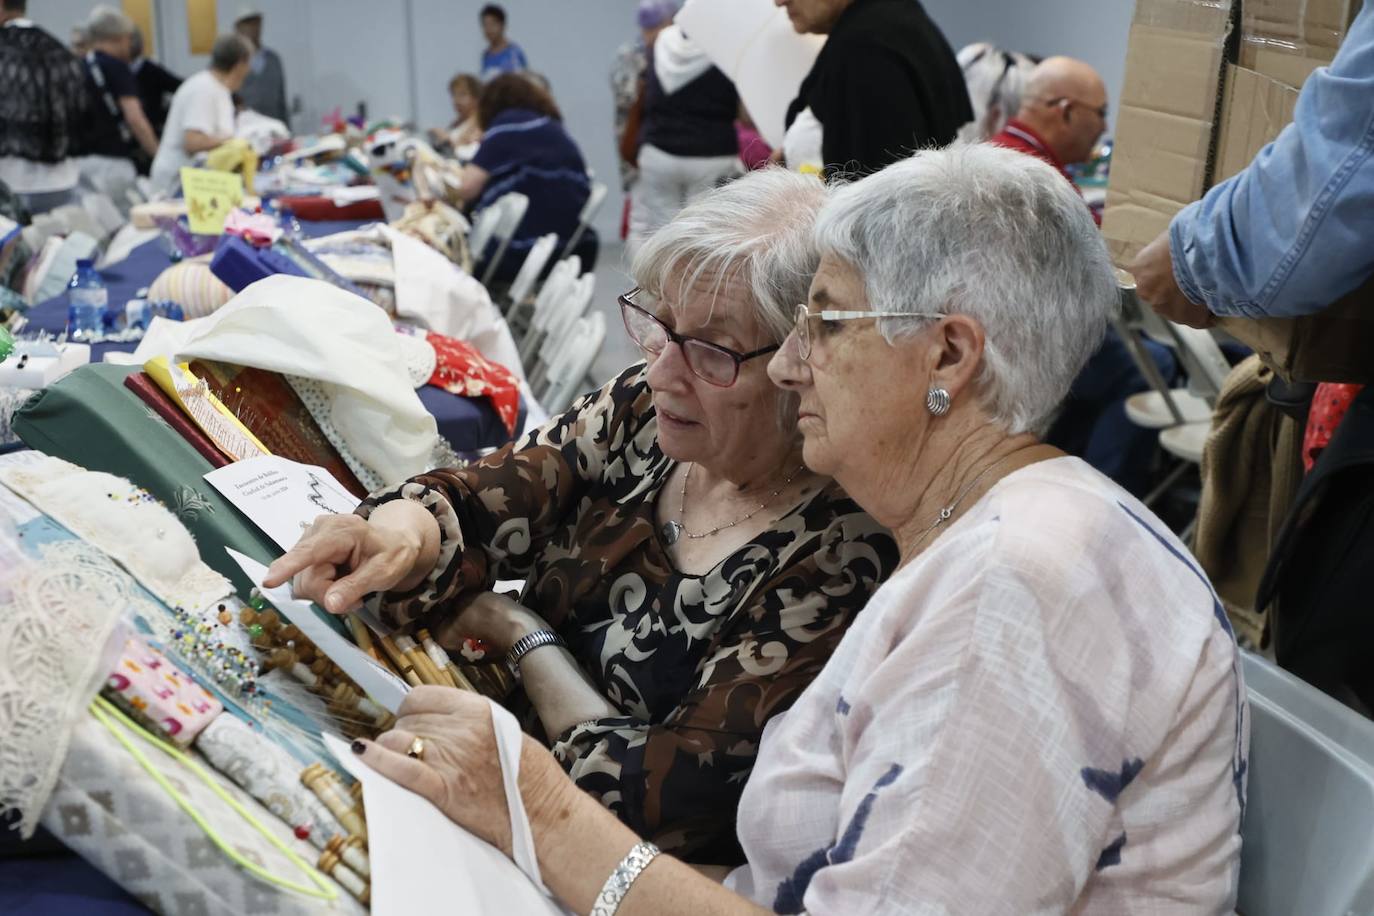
(674, 529)
(948, 511)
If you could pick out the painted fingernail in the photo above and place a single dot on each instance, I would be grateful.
(358, 747)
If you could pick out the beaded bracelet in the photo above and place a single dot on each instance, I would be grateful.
(618, 884)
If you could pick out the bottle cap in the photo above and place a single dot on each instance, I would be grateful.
(84, 263)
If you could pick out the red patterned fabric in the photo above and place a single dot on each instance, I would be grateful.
(1329, 406)
(316, 209)
(460, 369)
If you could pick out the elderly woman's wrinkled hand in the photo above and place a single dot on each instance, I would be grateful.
(460, 770)
(340, 559)
(498, 621)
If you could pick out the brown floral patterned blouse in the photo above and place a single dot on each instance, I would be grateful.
(696, 664)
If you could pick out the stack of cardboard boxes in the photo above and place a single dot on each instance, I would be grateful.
(1208, 84)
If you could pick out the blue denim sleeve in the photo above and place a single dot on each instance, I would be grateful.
(1294, 231)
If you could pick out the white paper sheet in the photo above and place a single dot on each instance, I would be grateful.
(280, 496)
(753, 43)
(421, 859)
(378, 683)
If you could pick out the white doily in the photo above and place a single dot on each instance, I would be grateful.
(55, 625)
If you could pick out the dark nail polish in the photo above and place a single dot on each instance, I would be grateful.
(358, 747)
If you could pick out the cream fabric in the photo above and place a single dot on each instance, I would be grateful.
(309, 328)
(124, 521)
(1042, 713)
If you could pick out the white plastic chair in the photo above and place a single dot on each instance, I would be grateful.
(555, 289)
(568, 372)
(590, 209)
(561, 321)
(512, 207)
(1308, 836)
(483, 230)
(521, 289)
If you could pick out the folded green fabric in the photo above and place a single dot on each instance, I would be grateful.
(90, 419)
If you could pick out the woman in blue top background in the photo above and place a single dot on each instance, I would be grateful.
(526, 148)
(500, 55)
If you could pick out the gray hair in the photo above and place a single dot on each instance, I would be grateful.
(229, 51)
(996, 81)
(758, 228)
(993, 234)
(106, 23)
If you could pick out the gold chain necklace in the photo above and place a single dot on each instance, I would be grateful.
(672, 530)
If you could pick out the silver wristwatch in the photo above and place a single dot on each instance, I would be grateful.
(527, 644)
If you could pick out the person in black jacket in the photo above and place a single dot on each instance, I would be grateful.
(156, 84)
(886, 83)
(688, 140)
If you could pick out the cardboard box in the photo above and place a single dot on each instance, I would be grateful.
(1208, 85)
(1196, 105)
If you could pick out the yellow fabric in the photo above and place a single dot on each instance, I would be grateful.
(234, 156)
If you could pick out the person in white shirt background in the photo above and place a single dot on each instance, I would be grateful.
(1042, 711)
(202, 112)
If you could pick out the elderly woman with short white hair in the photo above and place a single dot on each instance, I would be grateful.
(687, 575)
(1042, 711)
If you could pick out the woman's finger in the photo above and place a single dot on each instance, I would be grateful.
(440, 701)
(313, 583)
(376, 574)
(397, 739)
(406, 772)
(326, 544)
(458, 726)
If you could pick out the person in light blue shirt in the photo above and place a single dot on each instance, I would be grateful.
(1294, 231)
(501, 54)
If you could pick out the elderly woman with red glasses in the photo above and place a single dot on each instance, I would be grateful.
(687, 576)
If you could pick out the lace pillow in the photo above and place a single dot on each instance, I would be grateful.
(127, 523)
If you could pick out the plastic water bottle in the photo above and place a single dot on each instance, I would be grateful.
(86, 301)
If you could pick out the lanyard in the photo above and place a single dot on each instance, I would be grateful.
(96, 74)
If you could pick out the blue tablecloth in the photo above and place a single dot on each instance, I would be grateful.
(468, 424)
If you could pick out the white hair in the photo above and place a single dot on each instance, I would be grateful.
(758, 229)
(990, 233)
(106, 22)
(996, 82)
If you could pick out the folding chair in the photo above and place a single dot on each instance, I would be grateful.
(561, 321)
(513, 207)
(1308, 835)
(520, 293)
(568, 373)
(558, 286)
(590, 209)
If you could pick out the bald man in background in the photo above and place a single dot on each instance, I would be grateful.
(1063, 113)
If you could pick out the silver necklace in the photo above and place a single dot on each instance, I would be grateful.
(674, 529)
(948, 511)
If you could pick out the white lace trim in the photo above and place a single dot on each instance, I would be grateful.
(55, 625)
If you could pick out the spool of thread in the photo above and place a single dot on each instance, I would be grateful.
(440, 658)
(399, 660)
(329, 790)
(350, 850)
(420, 662)
(332, 865)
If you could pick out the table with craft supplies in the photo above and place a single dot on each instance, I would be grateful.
(469, 424)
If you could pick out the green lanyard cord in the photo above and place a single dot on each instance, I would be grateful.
(107, 715)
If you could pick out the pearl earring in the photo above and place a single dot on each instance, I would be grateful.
(937, 401)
